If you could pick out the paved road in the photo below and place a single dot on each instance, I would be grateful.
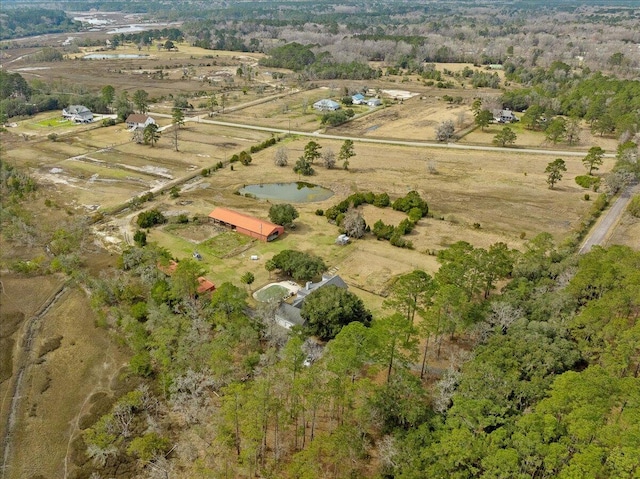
(603, 229)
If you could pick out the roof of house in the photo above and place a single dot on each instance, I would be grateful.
(358, 96)
(326, 103)
(205, 285)
(326, 281)
(168, 269)
(246, 222)
(289, 313)
(137, 118)
(77, 109)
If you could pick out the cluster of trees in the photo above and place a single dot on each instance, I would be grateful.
(609, 105)
(347, 217)
(301, 59)
(296, 264)
(312, 153)
(553, 391)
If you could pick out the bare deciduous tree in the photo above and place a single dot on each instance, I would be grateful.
(329, 158)
(445, 130)
(354, 224)
(281, 158)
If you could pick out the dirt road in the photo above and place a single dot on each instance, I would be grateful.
(604, 227)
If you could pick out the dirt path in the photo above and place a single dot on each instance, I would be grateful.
(25, 358)
(603, 229)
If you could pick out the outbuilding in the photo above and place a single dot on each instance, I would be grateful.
(247, 225)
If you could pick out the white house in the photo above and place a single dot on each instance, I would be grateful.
(136, 120)
(326, 105)
(77, 113)
(373, 102)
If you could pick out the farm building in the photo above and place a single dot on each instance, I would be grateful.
(326, 105)
(373, 102)
(247, 225)
(288, 315)
(77, 113)
(136, 120)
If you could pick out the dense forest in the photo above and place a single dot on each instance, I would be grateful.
(24, 22)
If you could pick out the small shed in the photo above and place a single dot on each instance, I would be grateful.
(342, 240)
(205, 286)
(373, 102)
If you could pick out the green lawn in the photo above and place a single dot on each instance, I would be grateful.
(53, 122)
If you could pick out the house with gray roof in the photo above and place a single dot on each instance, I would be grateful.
(78, 114)
(288, 315)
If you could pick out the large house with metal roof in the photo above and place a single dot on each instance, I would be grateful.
(247, 225)
(288, 315)
(326, 105)
(78, 114)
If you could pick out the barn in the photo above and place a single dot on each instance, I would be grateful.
(247, 225)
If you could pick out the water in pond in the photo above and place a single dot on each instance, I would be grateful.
(296, 192)
(111, 56)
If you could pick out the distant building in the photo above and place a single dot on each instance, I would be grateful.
(357, 99)
(137, 120)
(326, 105)
(247, 225)
(373, 102)
(505, 116)
(78, 114)
(288, 315)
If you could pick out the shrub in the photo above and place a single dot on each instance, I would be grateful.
(586, 197)
(634, 206)
(319, 212)
(150, 218)
(140, 238)
(382, 200)
(108, 122)
(587, 181)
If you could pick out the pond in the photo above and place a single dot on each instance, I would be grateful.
(296, 192)
(111, 56)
